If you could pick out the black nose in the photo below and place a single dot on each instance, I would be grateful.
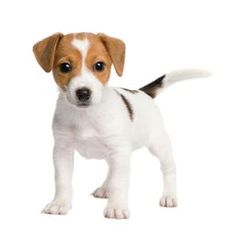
(83, 94)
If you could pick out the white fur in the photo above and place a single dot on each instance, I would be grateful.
(82, 46)
(105, 131)
(85, 78)
(180, 75)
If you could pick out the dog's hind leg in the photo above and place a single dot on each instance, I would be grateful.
(161, 148)
(101, 192)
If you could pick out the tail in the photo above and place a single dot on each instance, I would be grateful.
(158, 85)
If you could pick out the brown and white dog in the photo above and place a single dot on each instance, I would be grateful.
(103, 122)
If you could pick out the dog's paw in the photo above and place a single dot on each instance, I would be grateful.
(100, 193)
(113, 213)
(57, 208)
(168, 201)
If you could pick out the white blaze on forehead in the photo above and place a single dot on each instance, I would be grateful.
(85, 78)
(82, 46)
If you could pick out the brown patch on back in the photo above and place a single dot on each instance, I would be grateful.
(127, 105)
(130, 90)
(151, 88)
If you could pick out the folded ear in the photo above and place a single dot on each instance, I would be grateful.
(116, 50)
(45, 49)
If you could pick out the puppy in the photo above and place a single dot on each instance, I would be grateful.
(103, 122)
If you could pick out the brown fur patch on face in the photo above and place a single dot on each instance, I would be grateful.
(67, 53)
(98, 53)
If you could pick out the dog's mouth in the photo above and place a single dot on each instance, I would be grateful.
(83, 104)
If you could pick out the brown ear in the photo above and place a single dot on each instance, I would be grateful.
(116, 50)
(45, 49)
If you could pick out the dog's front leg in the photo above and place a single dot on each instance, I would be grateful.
(117, 206)
(63, 164)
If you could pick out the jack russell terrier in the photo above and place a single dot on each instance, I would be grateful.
(103, 122)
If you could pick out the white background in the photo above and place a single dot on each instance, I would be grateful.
(199, 115)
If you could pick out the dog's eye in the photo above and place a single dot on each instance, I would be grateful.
(99, 66)
(65, 67)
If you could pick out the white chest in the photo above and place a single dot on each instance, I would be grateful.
(90, 144)
(94, 132)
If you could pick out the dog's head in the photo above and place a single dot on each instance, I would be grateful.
(81, 63)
